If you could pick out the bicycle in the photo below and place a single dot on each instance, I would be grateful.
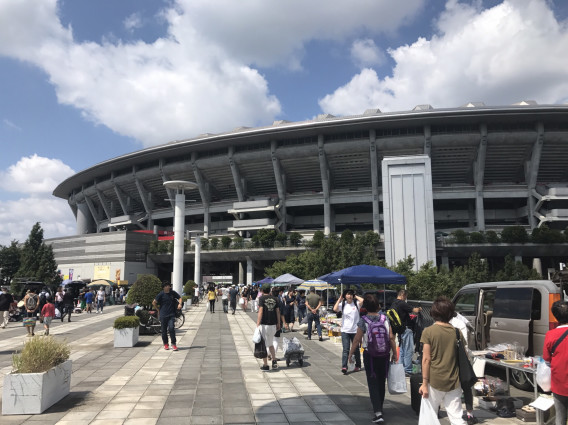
(154, 325)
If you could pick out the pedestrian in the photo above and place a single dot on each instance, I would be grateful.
(196, 295)
(6, 299)
(377, 339)
(31, 304)
(47, 313)
(59, 301)
(101, 298)
(212, 297)
(167, 301)
(89, 302)
(440, 373)
(233, 293)
(121, 295)
(277, 340)
(254, 299)
(244, 297)
(347, 305)
(268, 319)
(68, 304)
(301, 303)
(461, 323)
(83, 301)
(555, 352)
(290, 302)
(225, 299)
(406, 339)
(313, 303)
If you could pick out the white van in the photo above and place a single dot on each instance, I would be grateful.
(509, 312)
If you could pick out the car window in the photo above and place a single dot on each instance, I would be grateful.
(513, 303)
(466, 303)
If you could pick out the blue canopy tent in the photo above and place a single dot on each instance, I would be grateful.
(356, 275)
(287, 279)
(265, 280)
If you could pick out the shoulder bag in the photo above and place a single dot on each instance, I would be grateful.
(466, 373)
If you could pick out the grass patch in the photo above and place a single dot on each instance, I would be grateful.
(40, 354)
(126, 322)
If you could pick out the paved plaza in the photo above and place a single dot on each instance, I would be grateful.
(212, 379)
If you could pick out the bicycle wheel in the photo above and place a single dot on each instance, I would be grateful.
(155, 325)
(180, 320)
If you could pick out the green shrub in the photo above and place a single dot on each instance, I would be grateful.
(40, 354)
(295, 238)
(514, 234)
(317, 239)
(188, 287)
(544, 234)
(238, 242)
(204, 243)
(144, 290)
(492, 236)
(281, 238)
(460, 236)
(126, 322)
(226, 242)
(477, 237)
(214, 243)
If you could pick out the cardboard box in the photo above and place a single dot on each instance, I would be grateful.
(526, 416)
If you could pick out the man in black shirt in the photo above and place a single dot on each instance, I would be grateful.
(169, 301)
(5, 300)
(268, 320)
(68, 304)
(233, 292)
(406, 339)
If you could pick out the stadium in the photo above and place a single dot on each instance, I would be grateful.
(413, 177)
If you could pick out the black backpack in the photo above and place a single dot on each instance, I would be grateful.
(394, 320)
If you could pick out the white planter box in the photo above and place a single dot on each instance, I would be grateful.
(33, 393)
(127, 337)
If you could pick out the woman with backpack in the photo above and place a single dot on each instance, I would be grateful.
(375, 334)
(347, 305)
(31, 304)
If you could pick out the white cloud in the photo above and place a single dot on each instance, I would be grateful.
(513, 51)
(11, 125)
(133, 22)
(34, 174)
(35, 178)
(366, 53)
(200, 78)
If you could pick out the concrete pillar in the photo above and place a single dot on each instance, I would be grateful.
(206, 222)
(445, 261)
(241, 273)
(518, 258)
(375, 182)
(85, 222)
(537, 265)
(179, 234)
(197, 268)
(249, 271)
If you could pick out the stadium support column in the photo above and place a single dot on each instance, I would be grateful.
(479, 175)
(532, 168)
(197, 265)
(179, 231)
(85, 222)
(279, 186)
(374, 181)
(324, 169)
(537, 265)
(249, 270)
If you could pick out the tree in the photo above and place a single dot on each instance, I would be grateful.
(281, 238)
(514, 234)
(188, 288)
(516, 270)
(226, 242)
(214, 242)
(295, 238)
(37, 260)
(9, 262)
(144, 291)
(544, 234)
(317, 239)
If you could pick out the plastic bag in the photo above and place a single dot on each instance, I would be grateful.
(396, 379)
(428, 416)
(256, 336)
(543, 375)
(351, 364)
(291, 345)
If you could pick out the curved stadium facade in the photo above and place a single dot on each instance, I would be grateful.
(425, 173)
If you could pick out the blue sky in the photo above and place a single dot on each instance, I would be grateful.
(84, 81)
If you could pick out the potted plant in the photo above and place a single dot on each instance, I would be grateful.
(126, 331)
(40, 377)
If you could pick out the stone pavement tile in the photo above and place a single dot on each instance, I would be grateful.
(107, 422)
(269, 408)
(206, 419)
(335, 416)
(205, 411)
(270, 418)
(182, 412)
(145, 413)
(79, 417)
(325, 408)
(141, 421)
(302, 417)
(113, 414)
(297, 409)
(241, 419)
(207, 402)
(154, 399)
(119, 406)
(15, 420)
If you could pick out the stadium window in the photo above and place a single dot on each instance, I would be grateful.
(399, 132)
(453, 129)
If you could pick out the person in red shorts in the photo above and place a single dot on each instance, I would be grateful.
(558, 359)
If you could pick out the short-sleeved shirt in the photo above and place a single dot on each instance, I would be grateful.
(225, 292)
(269, 305)
(444, 372)
(48, 310)
(211, 295)
(89, 297)
(313, 299)
(403, 310)
(349, 318)
(5, 300)
(233, 292)
(68, 298)
(100, 295)
(301, 302)
(558, 361)
(168, 303)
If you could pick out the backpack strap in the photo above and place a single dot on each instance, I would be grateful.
(558, 342)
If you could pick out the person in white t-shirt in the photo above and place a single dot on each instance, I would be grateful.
(348, 304)
(101, 298)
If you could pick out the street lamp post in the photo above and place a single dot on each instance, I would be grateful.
(180, 187)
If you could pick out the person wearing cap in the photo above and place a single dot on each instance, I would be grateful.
(313, 303)
(168, 300)
(268, 320)
(6, 299)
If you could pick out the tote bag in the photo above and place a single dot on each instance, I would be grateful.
(467, 375)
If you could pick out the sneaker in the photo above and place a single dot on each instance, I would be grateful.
(174, 347)
(344, 370)
(309, 338)
(266, 367)
(321, 338)
(274, 364)
(357, 369)
(471, 420)
(166, 347)
(378, 419)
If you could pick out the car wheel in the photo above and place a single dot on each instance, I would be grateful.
(520, 380)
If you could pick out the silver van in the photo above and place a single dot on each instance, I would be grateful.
(509, 312)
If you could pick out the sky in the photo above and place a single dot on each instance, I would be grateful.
(85, 81)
